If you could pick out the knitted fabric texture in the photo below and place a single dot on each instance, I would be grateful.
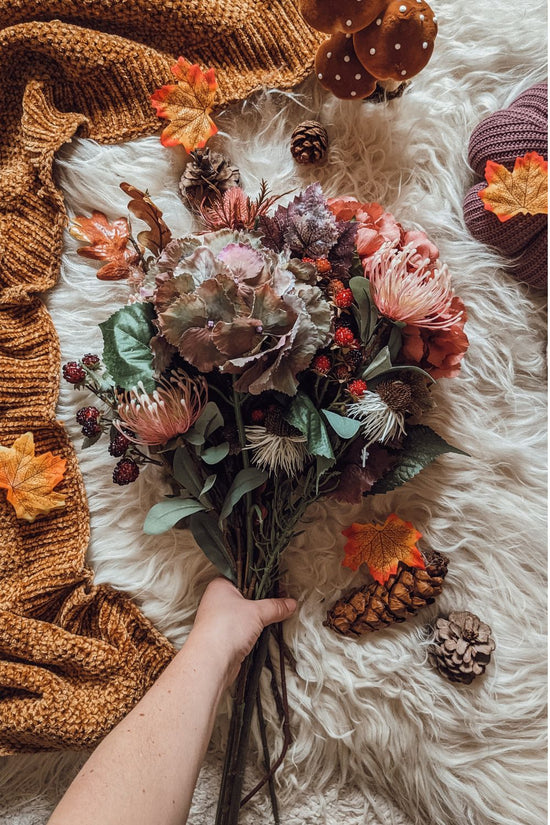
(502, 137)
(74, 658)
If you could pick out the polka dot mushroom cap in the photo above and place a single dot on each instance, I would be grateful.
(345, 16)
(394, 45)
(399, 43)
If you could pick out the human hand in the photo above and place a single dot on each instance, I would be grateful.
(229, 625)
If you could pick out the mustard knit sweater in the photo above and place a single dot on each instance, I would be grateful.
(74, 658)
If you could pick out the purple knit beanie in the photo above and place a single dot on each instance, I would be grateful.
(502, 137)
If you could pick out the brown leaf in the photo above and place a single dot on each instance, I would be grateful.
(187, 105)
(522, 191)
(108, 242)
(29, 479)
(382, 546)
(141, 205)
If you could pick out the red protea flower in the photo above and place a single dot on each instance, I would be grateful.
(168, 411)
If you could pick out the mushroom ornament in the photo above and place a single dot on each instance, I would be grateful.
(372, 41)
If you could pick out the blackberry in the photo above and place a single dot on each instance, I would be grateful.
(125, 472)
(87, 414)
(91, 361)
(91, 429)
(118, 445)
(73, 373)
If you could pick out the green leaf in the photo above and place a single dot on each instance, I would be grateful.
(382, 363)
(342, 426)
(303, 415)
(368, 313)
(395, 342)
(166, 514)
(193, 437)
(126, 351)
(213, 455)
(210, 420)
(420, 447)
(209, 537)
(400, 368)
(185, 472)
(208, 484)
(244, 482)
(87, 442)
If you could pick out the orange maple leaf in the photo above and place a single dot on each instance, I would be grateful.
(522, 191)
(187, 105)
(108, 242)
(382, 546)
(30, 479)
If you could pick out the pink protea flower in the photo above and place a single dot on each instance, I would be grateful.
(411, 291)
(168, 411)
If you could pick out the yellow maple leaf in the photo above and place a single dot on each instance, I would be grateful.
(382, 547)
(522, 191)
(29, 479)
(187, 105)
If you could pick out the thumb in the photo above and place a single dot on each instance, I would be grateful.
(275, 610)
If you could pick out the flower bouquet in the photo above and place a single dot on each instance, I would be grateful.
(277, 355)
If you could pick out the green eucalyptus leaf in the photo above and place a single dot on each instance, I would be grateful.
(126, 351)
(368, 313)
(211, 419)
(400, 368)
(209, 537)
(244, 482)
(208, 484)
(166, 514)
(213, 455)
(420, 447)
(395, 341)
(303, 415)
(382, 363)
(87, 441)
(194, 437)
(342, 426)
(185, 472)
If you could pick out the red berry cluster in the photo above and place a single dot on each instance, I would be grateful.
(322, 364)
(88, 418)
(357, 388)
(73, 372)
(125, 472)
(344, 337)
(118, 445)
(91, 361)
(343, 298)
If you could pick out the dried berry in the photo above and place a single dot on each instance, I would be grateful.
(344, 337)
(343, 298)
(342, 372)
(321, 364)
(87, 414)
(357, 388)
(257, 416)
(73, 373)
(323, 265)
(118, 445)
(125, 472)
(335, 286)
(91, 361)
(91, 429)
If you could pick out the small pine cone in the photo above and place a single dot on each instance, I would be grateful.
(207, 175)
(462, 646)
(375, 606)
(309, 142)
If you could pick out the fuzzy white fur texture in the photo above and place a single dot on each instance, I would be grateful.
(379, 737)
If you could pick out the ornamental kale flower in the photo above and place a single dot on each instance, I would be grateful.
(227, 302)
(307, 228)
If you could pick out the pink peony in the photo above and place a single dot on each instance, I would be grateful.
(376, 226)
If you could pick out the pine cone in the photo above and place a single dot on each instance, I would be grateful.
(462, 647)
(207, 175)
(375, 606)
(309, 142)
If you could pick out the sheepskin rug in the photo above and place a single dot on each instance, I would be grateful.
(379, 737)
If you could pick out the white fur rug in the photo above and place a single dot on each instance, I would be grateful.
(379, 737)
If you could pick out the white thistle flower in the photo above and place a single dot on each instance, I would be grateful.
(379, 422)
(276, 452)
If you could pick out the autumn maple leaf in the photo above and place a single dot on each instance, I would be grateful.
(108, 242)
(29, 479)
(382, 547)
(522, 191)
(187, 105)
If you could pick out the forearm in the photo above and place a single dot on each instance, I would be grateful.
(145, 770)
